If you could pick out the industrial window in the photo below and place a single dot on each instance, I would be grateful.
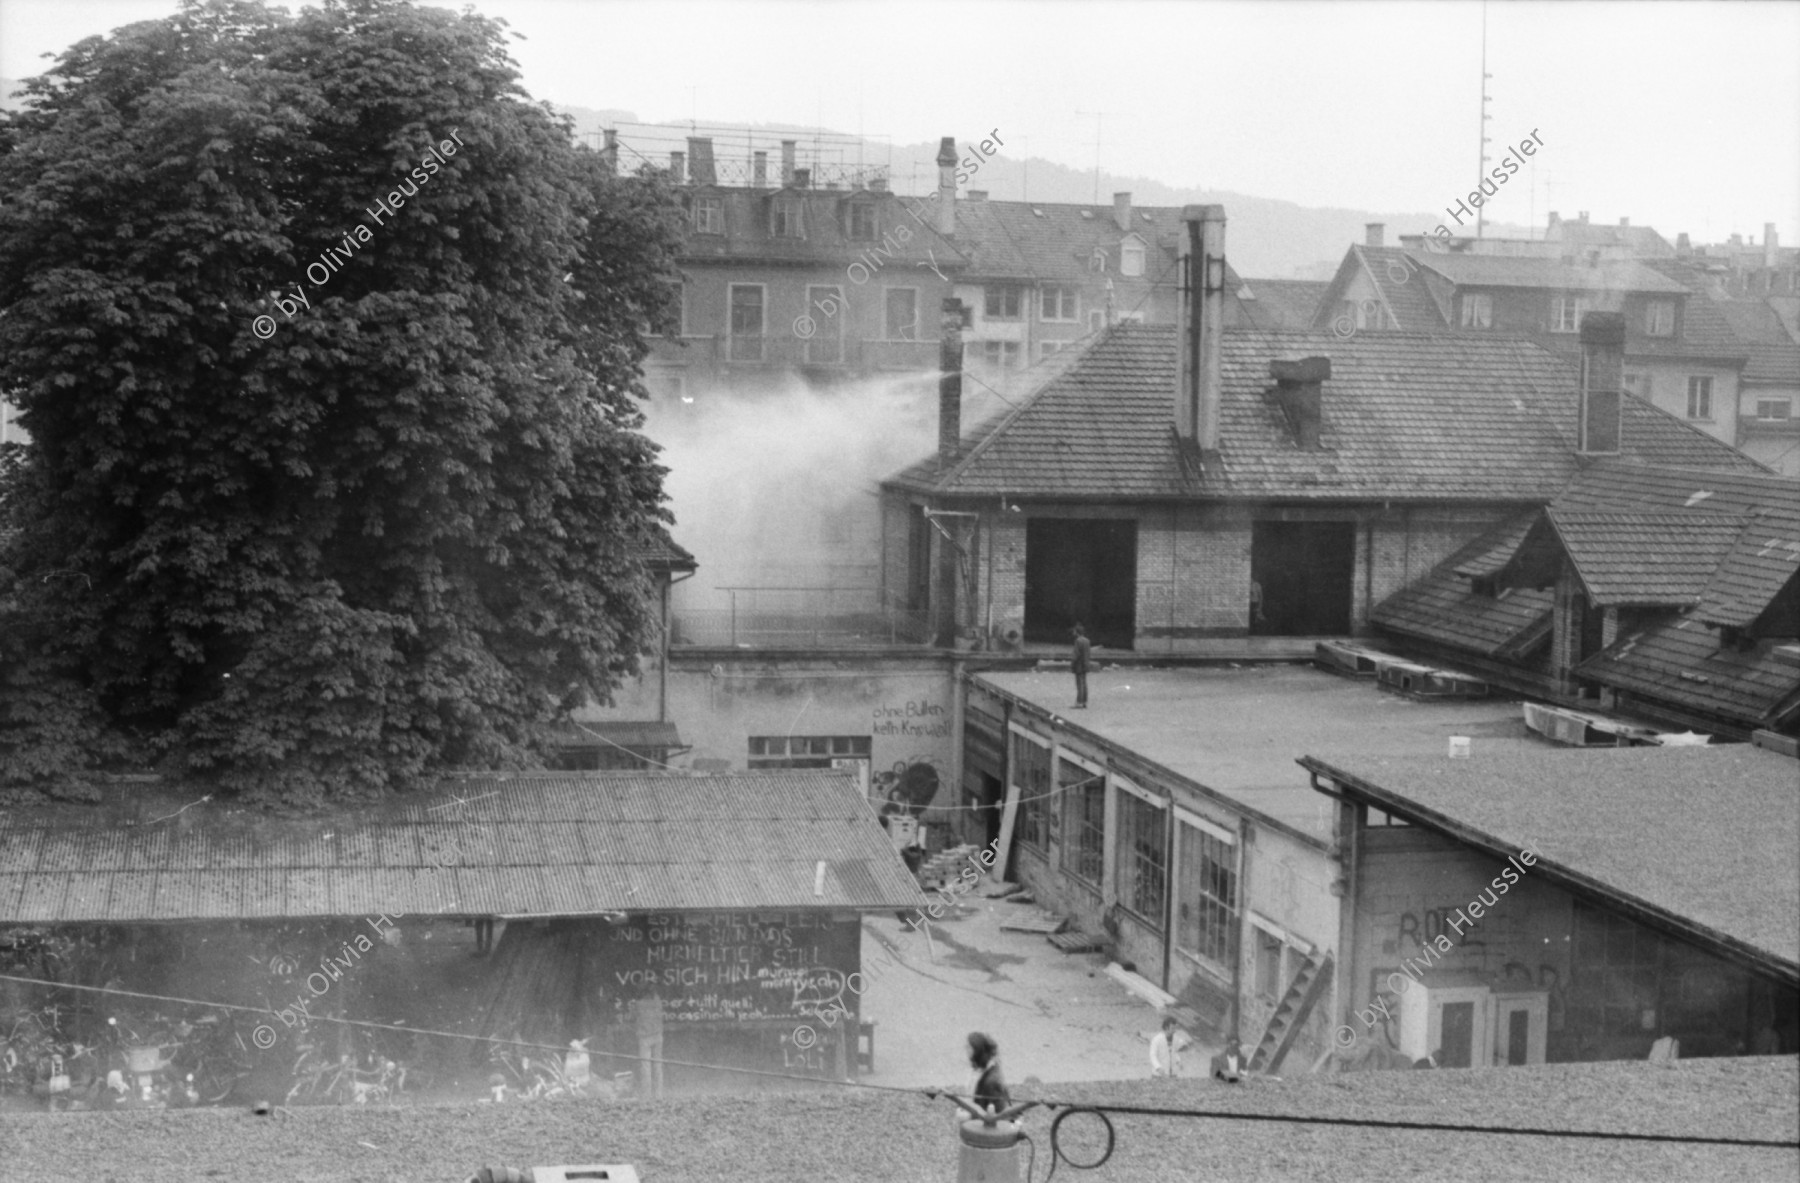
(1566, 313)
(1031, 776)
(824, 309)
(1268, 963)
(746, 322)
(1142, 857)
(1000, 302)
(1131, 258)
(806, 751)
(1659, 318)
(784, 219)
(1478, 311)
(1002, 355)
(1699, 398)
(709, 215)
(1059, 303)
(902, 314)
(1206, 899)
(1084, 821)
(1775, 408)
(862, 221)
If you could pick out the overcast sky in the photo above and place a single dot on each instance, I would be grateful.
(1683, 116)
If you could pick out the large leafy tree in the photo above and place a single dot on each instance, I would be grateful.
(399, 534)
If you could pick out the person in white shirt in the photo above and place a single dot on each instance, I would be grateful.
(1165, 1049)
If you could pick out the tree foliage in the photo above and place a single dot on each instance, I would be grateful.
(401, 534)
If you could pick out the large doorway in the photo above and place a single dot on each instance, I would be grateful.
(1081, 570)
(1306, 573)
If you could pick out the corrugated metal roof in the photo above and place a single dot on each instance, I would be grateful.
(531, 844)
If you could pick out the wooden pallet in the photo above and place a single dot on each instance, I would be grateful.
(1077, 942)
(1035, 920)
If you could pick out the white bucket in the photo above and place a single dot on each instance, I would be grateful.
(1459, 747)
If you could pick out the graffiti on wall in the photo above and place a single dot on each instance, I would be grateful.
(908, 788)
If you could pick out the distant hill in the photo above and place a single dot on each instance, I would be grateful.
(1265, 236)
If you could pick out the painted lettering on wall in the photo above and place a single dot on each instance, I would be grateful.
(922, 718)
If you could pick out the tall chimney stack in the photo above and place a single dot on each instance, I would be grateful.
(609, 151)
(1298, 391)
(1602, 377)
(700, 160)
(1374, 233)
(1771, 245)
(1202, 321)
(677, 167)
(950, 352)
(759, 170)
(946, 210)
(787, 163)
(1122, 212)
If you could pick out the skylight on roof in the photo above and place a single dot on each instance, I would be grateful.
(1037, 213)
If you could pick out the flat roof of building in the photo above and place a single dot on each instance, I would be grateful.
(1706, 836)
(504, 844)
(1238, 731)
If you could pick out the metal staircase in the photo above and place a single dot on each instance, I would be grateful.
(1309, 982)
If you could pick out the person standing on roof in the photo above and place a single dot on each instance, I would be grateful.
(1078, 662)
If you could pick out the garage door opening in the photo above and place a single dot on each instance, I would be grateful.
(1306, 572)
(1081, 570)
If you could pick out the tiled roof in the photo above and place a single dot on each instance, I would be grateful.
(534, 844)
(1444, 607)
(1050, 241)
(660, 552)
(1405, 417)
(1282, 303)
(1644, 559)
(1403, 289)
(1518, 271)
(1683, 662)
(904, 227)
(1764, 560)
(1774, 355)
(1703, 836)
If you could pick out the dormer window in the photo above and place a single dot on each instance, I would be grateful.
(862, 221)
(709, 215)
(784, 218)
(1659, 318)
(1131, 258)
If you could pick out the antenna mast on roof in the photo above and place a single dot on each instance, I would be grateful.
(1096, 116)
(1481, 168)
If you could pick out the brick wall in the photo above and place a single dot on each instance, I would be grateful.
(1193, 575)
(1397, 547)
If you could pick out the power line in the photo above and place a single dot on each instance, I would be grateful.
(933, 1094)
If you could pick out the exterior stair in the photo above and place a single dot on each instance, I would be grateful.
(1309, 983)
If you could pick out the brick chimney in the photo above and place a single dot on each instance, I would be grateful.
(1298, 391)
(759, 170)
(1122, 212)
(1554, 225)
(700, 161)
(1602, 376)
(677, 167)
(787, 163)
(1374, 233)
(946, 210)
(950, 351)
(1624, 223)
(802, 178)
(609, 151)
(1202, 320)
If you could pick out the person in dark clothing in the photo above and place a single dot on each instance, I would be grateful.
(989, 1092)
(1079, 664)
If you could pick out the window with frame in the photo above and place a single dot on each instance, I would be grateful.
(1477, 311)
(1031, 776)
(1058, 302)
(902, 314)
(1142, 857)
(1084, 821)
(1269, 948)
(1097, 261)
(1001, 355)
(1659, 318)
(785, 219)
(1206, 899)
(1000, 302)
(746, 321)
(709, 215)
(1699, 401)
(806, 751)
(826, 345)
(1131, 258)
(862, 221)
(1779, 410)
(1566, 313)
